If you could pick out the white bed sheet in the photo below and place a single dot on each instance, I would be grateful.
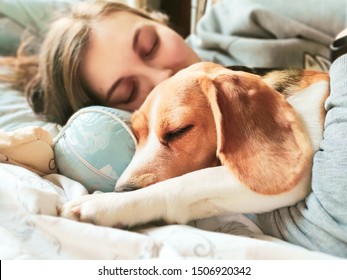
(31, 229)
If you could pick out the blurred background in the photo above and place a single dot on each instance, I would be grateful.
(18, 17)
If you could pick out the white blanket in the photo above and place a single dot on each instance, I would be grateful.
(30, 228)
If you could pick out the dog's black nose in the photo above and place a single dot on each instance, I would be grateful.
(125, 187)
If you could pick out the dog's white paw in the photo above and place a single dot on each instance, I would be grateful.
(100, 209)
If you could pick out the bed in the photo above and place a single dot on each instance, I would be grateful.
(30, 227)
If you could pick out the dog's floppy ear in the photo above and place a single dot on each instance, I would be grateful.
(260, 137)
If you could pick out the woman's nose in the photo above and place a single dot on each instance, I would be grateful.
(156, 77)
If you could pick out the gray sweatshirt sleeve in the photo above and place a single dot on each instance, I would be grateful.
(269, 33)
(320, 222)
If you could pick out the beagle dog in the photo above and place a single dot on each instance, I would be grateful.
(212, 140)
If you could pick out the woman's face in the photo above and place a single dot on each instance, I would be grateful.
(127, 56)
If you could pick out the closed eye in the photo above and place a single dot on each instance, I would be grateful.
(177, 133)
(151, 51)
(147, 42)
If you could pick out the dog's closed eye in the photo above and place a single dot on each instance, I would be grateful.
(176, 133)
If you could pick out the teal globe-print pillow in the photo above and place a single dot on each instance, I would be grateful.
(95, 147)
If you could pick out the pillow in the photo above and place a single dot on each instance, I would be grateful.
(33, 16)
(94, 147)
(16, 113)
(10, 34)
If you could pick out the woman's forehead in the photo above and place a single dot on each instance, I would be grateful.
(121, 18)
(119, 27)
(109, 46)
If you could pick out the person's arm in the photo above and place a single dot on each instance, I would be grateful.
(320, 222)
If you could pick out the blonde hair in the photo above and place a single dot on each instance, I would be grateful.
(56, 91)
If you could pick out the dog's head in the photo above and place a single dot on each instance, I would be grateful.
(207, 115)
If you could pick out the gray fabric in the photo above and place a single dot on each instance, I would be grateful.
(267, 33)
(320, 222)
